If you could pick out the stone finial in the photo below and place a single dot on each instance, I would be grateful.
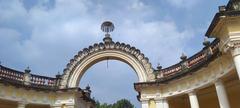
(107, 38)
(159, 67)
(206, 42)
(222, 8)
(27, 76)
(88, 91)
(27, 70)
(183, 57)
(107, 26)
(88, 87)
(58, 75)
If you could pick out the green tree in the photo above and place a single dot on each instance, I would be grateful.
(123, 103)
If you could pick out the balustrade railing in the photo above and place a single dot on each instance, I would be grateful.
(10, 74)
(193, 61)
(17, 77)
(42, 80)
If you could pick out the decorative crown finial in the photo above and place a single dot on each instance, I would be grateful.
(206, 42)
(27, 70)
(159, 67)
(183, 57)
(107, 27)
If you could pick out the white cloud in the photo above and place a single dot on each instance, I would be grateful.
(71, 25)
(57, 34)
(11, 10)
(138, 5)
(161, 41)
(183, 3)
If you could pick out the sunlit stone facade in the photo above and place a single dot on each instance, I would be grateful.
(208, 79)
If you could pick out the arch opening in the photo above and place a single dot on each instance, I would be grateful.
(111, 81)
(95, 58)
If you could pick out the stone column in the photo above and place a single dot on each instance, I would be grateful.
(193, 99)
(165, 103)
(236, 58)
(21, 104)
(144, 103)
(162, 103)
(222, 95)
(158, 103)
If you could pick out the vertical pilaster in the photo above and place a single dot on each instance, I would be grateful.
(236, 58)
(144, 103)
(193, 99)
(165, 103)
(222, 95)
(162, 103)
(21, 104)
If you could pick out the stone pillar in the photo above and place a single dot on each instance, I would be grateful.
(222, 95)
(193, 99)
(21, 104)
(27, 76)
(162, 103)
(236, 58)
(158, 103)
(165, 103)
(144, 103)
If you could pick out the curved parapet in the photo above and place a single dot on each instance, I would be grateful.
(192, 64)
(18, 78)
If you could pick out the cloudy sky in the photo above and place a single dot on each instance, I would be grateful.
(46, 34)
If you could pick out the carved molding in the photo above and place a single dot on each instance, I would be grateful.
(232, 44)
(100, 47)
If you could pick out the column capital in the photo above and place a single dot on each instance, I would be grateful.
(191, 92)
(231, 44)
(22, 104)
(143, 100)
(218, 82)
(160, 99)
(161, 102)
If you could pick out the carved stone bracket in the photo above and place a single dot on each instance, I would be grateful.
(233, 46)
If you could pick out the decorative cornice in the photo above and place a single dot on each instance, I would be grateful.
(232, 44)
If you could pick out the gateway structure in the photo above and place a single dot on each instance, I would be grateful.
(208, 79)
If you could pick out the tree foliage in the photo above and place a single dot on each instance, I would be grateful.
(123, 103)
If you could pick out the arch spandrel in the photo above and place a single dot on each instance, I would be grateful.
(103, 51)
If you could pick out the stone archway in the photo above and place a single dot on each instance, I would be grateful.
(103, 51)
